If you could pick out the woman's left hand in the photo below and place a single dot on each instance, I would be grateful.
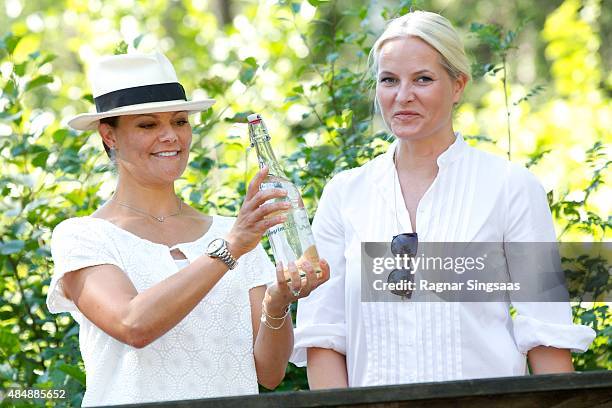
(283, 293)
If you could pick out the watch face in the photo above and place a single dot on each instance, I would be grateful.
(215, 245)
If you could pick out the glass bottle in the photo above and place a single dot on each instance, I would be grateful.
(293, 240)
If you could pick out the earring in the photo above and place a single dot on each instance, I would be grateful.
(113, 153)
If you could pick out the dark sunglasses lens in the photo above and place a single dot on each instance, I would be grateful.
(405, 244)
(400, 275)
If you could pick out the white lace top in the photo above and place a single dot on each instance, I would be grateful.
(208, 354)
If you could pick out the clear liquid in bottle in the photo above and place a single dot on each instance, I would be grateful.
(291, 241)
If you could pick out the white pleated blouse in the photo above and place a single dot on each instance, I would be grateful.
(476, 197)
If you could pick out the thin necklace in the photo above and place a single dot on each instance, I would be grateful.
(158, 219)
(395, 182)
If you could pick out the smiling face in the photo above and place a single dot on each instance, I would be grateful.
(152, 148)
(414, 91)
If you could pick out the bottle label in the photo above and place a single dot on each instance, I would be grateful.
(290, 225)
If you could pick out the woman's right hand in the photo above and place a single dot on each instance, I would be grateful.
(254, 217)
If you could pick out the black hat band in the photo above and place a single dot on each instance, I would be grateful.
(171, 91)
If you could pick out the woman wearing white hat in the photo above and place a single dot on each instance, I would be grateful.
(169, 301)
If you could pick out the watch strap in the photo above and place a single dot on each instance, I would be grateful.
(224, 255)
(227, 258)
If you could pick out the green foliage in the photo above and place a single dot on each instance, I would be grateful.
(572, 210)
(500, 42)
(50, 173)
(38, 349)
(536, 90)
(599, 355)
(121, 48)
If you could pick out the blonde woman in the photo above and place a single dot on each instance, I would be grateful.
(433, 187)
(172, 304)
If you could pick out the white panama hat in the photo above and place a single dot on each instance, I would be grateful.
(129, 84)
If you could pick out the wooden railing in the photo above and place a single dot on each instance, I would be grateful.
(586, 389)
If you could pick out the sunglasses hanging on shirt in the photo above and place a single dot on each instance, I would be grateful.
(403, 244)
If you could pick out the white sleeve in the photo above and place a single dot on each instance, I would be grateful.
(321, 315)
(73, 247)
(528, 219)
(259, 268)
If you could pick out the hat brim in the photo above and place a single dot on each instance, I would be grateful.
(89, 121)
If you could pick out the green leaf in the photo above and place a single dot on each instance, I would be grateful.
(214, 86)
(550, 198)
(11, 42)
(206, 115)
(69, 162)
(292, 98)
(534, 91)
(39, 81)
(10, 89)
(40, 160)
(250, 61)
(47, 58)
(509, 38)
(247, 75)
(11, 247)
(88, 97)
(9, 342)
(34, 55)
(60, 135)
(10, 117)
(20, 68)
(588, 317)
(137, 40)
(490, 34)
(202, 163)
(195, 196)
(363, 13)
(74, 371)
(332, 57)
(121, 48)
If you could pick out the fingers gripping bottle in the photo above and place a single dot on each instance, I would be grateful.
(291, 241)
